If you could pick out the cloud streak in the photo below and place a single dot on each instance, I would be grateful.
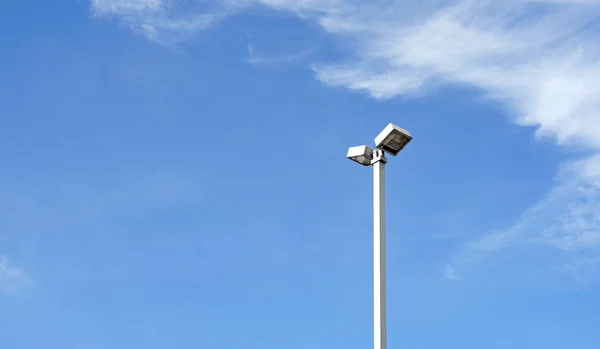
(12, 278)
(538, 57)
(166, 22)
(260, 58)
(566, 220)
(540, 60)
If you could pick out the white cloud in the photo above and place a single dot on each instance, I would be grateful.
(567, 220)
(582, 273)
(12, 279)
(539, 58)
(172, 21)
(165, 21)
(258, 58)
(541, 61)
(450, 273)
(74, 222)
(126, 6)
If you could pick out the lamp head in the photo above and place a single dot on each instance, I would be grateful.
(392, 139)
(362, 154)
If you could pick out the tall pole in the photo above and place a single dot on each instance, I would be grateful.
(379, 283)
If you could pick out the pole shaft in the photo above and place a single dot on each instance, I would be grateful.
(379, 251)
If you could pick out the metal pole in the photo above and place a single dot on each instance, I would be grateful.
(379, 283)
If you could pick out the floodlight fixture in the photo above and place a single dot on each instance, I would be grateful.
(362, 154)
(392, 139)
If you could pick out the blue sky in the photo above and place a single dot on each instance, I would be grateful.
(174, 173)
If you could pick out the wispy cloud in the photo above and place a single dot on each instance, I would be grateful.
(164, 21)
(12, 278)
(582, 272)
(256, 57)
(48, 221)
(538, 58)
(450, 272)
(566, 220)
(173, 21)
(126, 6)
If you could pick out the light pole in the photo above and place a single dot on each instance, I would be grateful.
(391, 140)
